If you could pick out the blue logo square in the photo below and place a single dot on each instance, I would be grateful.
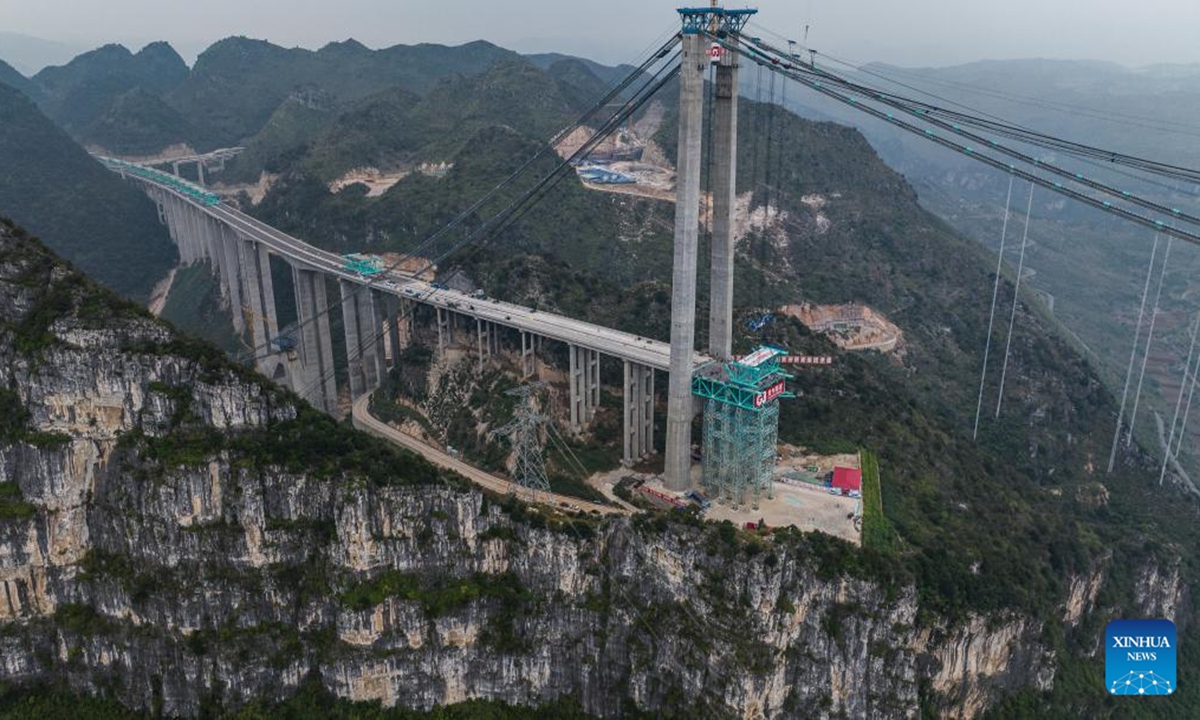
(1139, 657)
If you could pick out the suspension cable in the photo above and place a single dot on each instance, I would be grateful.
(992, 318)
(1137, 334)
(1016, 301)
(1056, 187)
(1187, 366)
(1149, 341)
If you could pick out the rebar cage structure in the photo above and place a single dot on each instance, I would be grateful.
(741, 425)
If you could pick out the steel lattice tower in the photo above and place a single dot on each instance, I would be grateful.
(523, 433)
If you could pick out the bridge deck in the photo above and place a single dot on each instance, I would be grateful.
(615, 343)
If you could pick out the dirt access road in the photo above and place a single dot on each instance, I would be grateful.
(363, 420)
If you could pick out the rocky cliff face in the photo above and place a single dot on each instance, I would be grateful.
(180, 535)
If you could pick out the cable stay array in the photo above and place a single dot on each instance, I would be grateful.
(1112, 456)
(992, 317)
(1162, 276)
(1168, 455)
(864, 99)
(1021, 153)
(1012, 319)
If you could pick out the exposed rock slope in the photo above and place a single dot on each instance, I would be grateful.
(180, 535)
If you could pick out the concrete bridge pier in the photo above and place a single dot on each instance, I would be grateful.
(316, 383)
(370, 325)
(195, 230)
(363, 320)
(584, 382)
(678, 460)
(354, 361)
(267, 284)
(255, 308)
(488, 336)
(445, 328)
(484, 337)
(156, 195)
(178, 229)
(724, 197)
(167, 214)
(528, 359)
(638, 420)
(591, 382)
(227, 242)
(183, 229)
(393, 309)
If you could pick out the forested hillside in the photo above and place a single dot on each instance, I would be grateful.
(988, 527)
(237, 83)
(9, 76)
(103, 225)
(1015, 540)
(1088, 267)
(79, 93)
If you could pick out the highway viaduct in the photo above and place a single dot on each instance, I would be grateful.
(377, 311)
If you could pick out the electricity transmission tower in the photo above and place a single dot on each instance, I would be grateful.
(524, 436)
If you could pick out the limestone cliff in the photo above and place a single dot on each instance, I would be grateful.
(180, 535)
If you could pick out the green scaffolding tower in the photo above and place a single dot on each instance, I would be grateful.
(741, 425)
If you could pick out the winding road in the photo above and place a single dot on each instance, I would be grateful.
(364, 420)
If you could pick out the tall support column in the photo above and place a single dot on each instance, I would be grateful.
(268, 291)
(195, 230)
(175, 168)
(724, 195)
(354, 363)
(646, 427)
(631, 425)
(156, 195)
(316, 354)
(528, 361)
(252, 294)
(395, 308)
(592, 378)
(678, 459)
(171, 220)
(181, 227)
(200, 171)
(228, 243)
(328, 379)
(443, 328)
(370, 329)
(484, 336)
(574, 386)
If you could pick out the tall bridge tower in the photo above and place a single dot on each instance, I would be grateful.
(698, 24)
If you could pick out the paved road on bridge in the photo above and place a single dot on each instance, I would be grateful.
(607, 341)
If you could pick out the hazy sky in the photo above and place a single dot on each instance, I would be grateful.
(913, 32)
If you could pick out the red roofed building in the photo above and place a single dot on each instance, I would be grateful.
(847, 480)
